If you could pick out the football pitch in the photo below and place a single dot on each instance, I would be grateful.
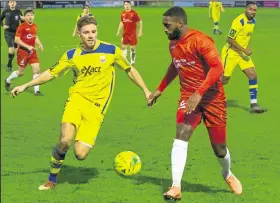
(30, 125)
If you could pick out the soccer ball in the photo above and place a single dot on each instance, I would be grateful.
(127, 163)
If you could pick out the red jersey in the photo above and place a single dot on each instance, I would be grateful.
(198, 65)
(27, 33)
(130, 20)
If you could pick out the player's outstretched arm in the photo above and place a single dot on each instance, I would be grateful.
(137, 79)
(120, 28)
(140, 32)
(41, 79)
(170, 75)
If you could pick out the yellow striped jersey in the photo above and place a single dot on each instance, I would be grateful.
(241, 30)
(216, 7)
(82, 15)
(94, 72)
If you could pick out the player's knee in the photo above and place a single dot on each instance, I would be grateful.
(184, 132)
(36, 71)
(225, 80)
(64, 146)
(220, 150)
(132, 49)
(81, 155)
(252, 76)
(20, 73)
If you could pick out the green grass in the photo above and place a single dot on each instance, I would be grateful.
(30, 125)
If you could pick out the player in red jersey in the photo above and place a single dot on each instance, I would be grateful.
(129, 20)
(196, 61)
(26, 37)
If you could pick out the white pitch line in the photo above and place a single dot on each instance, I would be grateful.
(66, 46)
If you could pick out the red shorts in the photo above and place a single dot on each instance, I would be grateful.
(129, 40)
(213, 113)
(24, 57)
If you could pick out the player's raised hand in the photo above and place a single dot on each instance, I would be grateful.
(192, 102)
(18, 89)
(41, 47)
(147, 95)
(153, 98)
(140, 34)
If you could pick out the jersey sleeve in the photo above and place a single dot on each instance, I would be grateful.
(137, 17)
(19, 31)
(120, 59)
(3, 15)
(61, 67)
(235, 28)
(207, 49)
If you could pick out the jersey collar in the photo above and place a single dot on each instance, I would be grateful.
(96, 45)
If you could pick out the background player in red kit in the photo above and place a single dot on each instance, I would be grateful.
(26, 37)
(129, 20)
(196, 61)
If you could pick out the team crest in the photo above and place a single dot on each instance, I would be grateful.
(102, 59)
(16, 17)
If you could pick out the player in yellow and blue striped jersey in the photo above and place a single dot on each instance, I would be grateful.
(215, 9)
(236, 52)
(89, 97)
(85, 12)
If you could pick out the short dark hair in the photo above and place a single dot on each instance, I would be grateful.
(250, 3)
(178, 12)
(129, 2)
(86, 6)
(28, 10)
(86, 20)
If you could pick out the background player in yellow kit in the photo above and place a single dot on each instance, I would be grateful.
(90, 95)
(85, 12)
(236, 52)
(215, 8)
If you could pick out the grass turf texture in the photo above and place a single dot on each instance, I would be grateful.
(30, 125)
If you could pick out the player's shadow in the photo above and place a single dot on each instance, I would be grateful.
(234, 104)
(186, 186)
(68, 174)
(76, 175)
